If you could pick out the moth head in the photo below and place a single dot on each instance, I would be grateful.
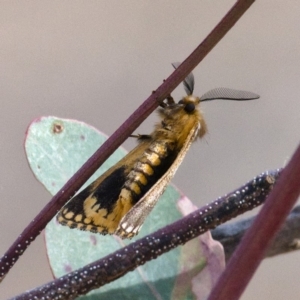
(189, 103)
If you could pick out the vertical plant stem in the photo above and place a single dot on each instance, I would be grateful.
(247, 257)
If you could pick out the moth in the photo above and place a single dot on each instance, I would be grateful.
(119, 201)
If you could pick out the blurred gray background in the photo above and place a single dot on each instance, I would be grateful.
(96, 61)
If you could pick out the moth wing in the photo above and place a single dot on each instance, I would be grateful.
(131, 223)
(95, 208)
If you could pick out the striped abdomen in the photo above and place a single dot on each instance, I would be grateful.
(155, 161)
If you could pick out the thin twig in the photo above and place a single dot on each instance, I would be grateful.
(286, 240)
(150, 247)
(94, 162)
(256, 241)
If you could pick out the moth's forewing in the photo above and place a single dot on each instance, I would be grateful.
(95, 208)
(133, 220)
(101, 206)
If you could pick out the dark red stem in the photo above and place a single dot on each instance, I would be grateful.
(249, 254)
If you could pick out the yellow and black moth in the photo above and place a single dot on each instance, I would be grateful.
(119, 201)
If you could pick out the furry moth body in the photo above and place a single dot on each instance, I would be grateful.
(119, 201)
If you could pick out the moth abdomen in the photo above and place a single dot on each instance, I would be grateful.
(149, 168)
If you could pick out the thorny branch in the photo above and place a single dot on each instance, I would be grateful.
(94, 162)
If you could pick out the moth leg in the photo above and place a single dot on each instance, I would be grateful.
(163, 105)
(141, 136)
(170, 100)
